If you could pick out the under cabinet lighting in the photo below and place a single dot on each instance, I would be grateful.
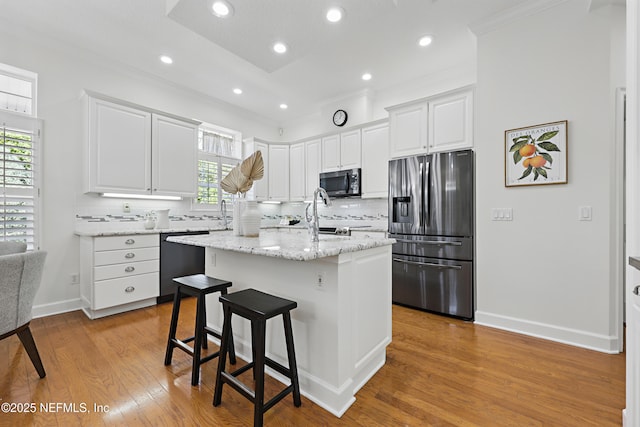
(270, 202)
(139, 196)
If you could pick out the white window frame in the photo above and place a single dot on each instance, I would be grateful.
(28, 76)
(227, 157)
(22, 123)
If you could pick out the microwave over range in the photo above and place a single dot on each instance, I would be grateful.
(344, 183)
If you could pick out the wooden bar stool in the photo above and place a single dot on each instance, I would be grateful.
(197, 285)
(257, 307)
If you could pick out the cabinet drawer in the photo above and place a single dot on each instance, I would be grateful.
(124, 290)
(125, 269)
(110, 243)
(126, 256)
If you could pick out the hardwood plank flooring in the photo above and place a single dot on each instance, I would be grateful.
(439, 371)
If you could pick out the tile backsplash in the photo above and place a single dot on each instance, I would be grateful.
(348, 211)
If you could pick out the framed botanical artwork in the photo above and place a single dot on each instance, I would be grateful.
(536, 155)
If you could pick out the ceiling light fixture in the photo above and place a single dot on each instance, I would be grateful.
(237, 91)
(366, 76)
(221, 9)
(335, 14)
(280, 47)
(166, 59)
(284, 106)
(425, 41)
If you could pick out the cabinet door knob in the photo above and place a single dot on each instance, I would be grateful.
(129, 242)
(130, 255)
(129, 289)
(129, 269)
(636, 290)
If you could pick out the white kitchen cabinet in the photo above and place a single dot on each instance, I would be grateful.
(278, 172)
(118, 273)
(133, 150)
(341, 151)
(313, 164)
(297, 172)
(119, 148)
(174, 154)
(408, 129)
(261, 186)
(451, 122)
(375, 161)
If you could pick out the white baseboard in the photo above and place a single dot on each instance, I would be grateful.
(50, 309)
(603, 343)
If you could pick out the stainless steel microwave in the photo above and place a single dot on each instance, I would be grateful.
(344, 183)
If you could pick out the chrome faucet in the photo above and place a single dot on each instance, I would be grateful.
(312, 220)
(223, 210)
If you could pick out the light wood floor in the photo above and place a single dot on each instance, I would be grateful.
(439, 371)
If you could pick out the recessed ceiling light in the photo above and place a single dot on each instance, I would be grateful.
(237, 91)
(280, 47)
(221, 9)
(335, 14)
(425, 40)
(366, 76)
(166, 59)
(284, 106)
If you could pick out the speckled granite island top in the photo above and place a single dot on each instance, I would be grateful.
(293, 245)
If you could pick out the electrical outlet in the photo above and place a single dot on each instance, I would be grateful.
(75, 278)
(320, 280)
(126, 207)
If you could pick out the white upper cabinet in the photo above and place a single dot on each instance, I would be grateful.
(341, 151)
(174, 157)
(119, 149)
(136, 151)
(278, 172)
(451, 122)
(297, 172)
(408, 129)
(438, 123)
(313, 165)
(375, 161)
(261, 186)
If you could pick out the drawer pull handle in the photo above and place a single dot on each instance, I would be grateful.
(129, 289)
(129, 242)
(129, 269)
(130, 255)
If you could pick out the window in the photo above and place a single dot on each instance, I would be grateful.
(19, 192)
(218, 153)
(17, 90)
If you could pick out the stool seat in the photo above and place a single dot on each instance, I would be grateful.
(251, 303)
(197, 285)
(257, 307)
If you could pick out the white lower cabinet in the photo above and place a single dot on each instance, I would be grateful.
(119, 273)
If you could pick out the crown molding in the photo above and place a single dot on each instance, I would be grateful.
(506, 16)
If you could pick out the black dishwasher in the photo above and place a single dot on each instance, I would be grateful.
(178, 260)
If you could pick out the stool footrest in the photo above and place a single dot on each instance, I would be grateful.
(243, 369)
(239, 386)
(278, 367)
(277, 398)
(182, 346)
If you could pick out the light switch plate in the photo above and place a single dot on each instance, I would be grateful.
(502, 214)
(584, 213)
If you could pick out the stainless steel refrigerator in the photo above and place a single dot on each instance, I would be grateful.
(431, 216)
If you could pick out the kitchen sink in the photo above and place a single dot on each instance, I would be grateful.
(338, 231)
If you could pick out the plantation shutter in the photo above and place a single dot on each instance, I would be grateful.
(211, 170)
(19, 189)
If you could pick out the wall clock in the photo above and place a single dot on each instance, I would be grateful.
(340, 118)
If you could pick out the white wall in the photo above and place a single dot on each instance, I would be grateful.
(545, 273)
(62, 75)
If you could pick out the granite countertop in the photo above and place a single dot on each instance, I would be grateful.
(293, 244)
(122, 231)
(634, 261)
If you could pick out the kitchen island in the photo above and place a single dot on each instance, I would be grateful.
(342, 285)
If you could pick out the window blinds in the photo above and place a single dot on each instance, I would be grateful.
(19, 138)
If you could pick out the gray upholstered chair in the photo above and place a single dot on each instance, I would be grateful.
(7, 248)
(20, 276)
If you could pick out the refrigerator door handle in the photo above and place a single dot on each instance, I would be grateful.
(435, 242)
(428, 264)
(425, 195)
